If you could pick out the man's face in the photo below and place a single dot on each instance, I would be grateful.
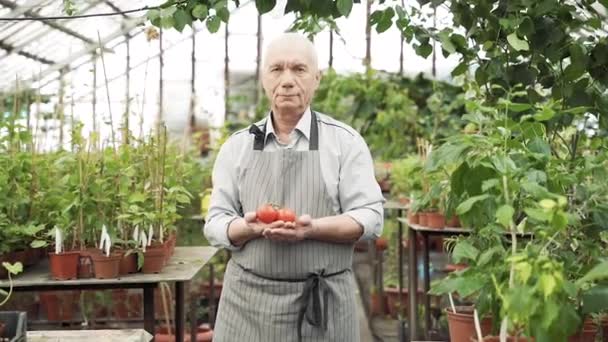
(290, 77)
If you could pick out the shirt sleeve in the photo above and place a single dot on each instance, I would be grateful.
(359, 192)
(224, 206)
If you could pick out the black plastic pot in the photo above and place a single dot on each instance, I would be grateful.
(16, 325)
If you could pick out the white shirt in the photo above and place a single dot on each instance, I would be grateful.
(346, 166)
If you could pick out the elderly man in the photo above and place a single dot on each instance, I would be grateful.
(292, 281)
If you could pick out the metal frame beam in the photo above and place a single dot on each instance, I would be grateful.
(11, 49)
(23, 44)
(128, 26)
(29, 13)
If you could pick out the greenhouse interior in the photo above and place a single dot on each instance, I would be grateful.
(299, 170)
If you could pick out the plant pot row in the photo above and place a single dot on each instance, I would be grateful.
(433, 219)
(462, 328)
(92, 263)
(27, 257)
(391, 303)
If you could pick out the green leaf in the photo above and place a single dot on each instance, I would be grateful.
(538, 214)
(344, 7)
(487, 255)
(460, 69)
(538, 145)
(544, 115)
(504, 215)
(424, 50)
(213, 23)
(153, 14)
(137, 197)
(547, 284)
(595, 299)
(167, 22)
(223, 14)
(551, 310)
(516, 43)
(15, 268)
(598, 272)
(264, 6)
(200, 11)
(523, 271)
(446, 43)
(535, 190)
(464, 251)
(181, 18)
(578, 62)
(468, 204)
(560, 220)
(38, 244)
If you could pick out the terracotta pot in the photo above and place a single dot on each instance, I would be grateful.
(205, 289)
(392, 301)
(375, 307)
(128, 263)
(462, 325)
(403, 200)
(413, 218)
(422, 219)
(58, 306)
(605, 328)
(435, 220)
(31, 257)
(455, 267)
(586, 335)
(106, 267)
(2, 328)
(120, 303)
(154, 260)
(453, 222)
(85, 263)
(381, 244)
(64, 266)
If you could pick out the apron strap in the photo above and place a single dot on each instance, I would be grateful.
(260, 134)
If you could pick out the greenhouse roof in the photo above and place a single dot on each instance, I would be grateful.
(39, 49)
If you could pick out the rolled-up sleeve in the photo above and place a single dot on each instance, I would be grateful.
(359, 192)
(225, 205)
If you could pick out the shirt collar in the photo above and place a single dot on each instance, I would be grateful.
(303, 125)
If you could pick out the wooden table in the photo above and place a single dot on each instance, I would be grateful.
(127, 335)
(181, 268)
(413, 231)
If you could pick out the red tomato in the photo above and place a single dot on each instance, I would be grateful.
(267, 213)
(287, 215)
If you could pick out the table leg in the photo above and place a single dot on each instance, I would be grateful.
(413, 283)
(400, 275)
(149, 321)
(193, 320)
(427, 285)
(180, 314)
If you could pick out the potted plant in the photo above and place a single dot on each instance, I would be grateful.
(12, 324)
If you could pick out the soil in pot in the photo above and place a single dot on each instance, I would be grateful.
(106, 267)
(64, 265)
(462, 324)
(128, 263)
(154, 260)
(435, 220)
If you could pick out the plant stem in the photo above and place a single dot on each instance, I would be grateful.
(10, 288)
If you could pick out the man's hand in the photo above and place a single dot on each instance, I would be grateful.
(290, 231)
(258, 227)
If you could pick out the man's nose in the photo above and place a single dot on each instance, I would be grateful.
(287, 80)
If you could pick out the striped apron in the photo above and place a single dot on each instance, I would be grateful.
(284, 291)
